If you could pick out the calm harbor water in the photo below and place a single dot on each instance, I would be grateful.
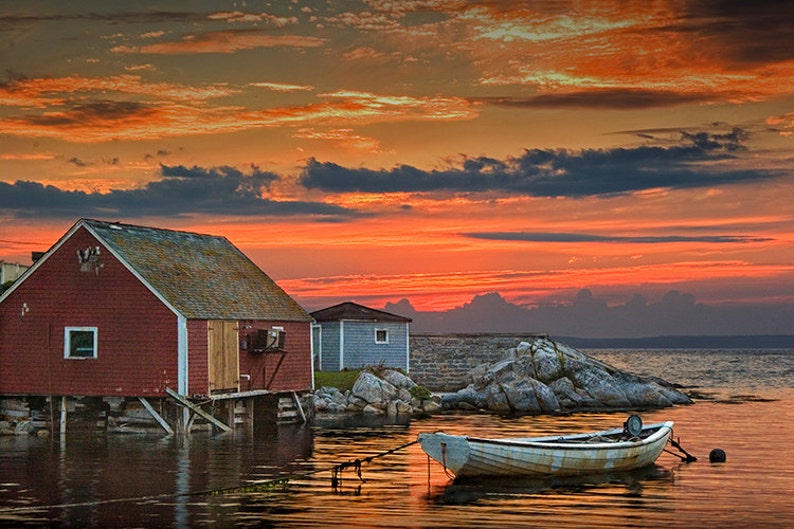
(745, 407)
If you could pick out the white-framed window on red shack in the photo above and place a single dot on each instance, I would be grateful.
(80, 342)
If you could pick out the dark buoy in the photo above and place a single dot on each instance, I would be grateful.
(717, 455)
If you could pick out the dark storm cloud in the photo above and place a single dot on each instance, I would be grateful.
(745, 33)
(182, 191)
(262, 178)
(558, 173)
(616, 99)
(584, 237)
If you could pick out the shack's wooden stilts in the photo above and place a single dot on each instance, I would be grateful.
(197, 411)
(62, 423)
(298, 406)
(162, 422)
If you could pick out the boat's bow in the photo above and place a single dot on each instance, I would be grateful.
(452, 451)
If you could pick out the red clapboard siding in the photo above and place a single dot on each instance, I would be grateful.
(137, 333)
(293, 373)
(198, 359)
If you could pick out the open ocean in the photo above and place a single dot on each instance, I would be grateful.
(744, 405)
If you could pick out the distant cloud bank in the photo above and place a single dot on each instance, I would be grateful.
(585, 173)
(588, 316)
(558, 173)
(585, 237)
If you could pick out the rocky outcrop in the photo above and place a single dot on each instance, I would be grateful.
(547, 377)
(538, 377)
(379, 391)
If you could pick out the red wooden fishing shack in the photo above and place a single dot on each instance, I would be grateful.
(141, 316)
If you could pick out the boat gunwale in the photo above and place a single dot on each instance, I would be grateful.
(564, 442)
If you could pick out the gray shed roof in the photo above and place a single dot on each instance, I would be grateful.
(201, 276)
(353, 311)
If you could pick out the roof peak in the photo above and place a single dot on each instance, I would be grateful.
(118, 225)
(350, 310)
(201, 276)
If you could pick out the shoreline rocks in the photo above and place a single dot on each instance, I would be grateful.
(547, 377)
(381, 391)
(542, 377)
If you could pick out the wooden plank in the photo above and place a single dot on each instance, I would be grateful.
(63, 416)
(198, 411)
(298, 406)
(240, 394)
(189, 421)
(156, 415)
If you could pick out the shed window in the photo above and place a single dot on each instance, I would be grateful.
(381, 336)
(80, 342)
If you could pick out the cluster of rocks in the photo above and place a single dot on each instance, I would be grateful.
(381, 391)
(539, 377)
(548, 377)
(22, 427)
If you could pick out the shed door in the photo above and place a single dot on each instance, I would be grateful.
(224, 361)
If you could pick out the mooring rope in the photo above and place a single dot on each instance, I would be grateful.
(259, 486)
(687, 457)
(449, 474)
(356, 464)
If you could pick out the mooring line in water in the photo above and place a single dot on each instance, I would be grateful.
(687, 457)
(336, 472)
(259, 486)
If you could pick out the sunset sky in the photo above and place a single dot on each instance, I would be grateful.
(431, 150)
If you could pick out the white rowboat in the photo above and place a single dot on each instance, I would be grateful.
(634, 446)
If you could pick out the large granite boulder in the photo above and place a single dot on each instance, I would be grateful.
(373, 389)
(547, 377)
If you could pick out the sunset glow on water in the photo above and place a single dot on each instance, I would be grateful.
(745, 409)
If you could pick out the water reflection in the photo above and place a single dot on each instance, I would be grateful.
(167, 482)
(114, 481)
(627, 484)
(91, 481)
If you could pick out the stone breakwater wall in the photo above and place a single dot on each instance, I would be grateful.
(441, 362)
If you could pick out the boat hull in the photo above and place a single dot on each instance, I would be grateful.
(466, 456)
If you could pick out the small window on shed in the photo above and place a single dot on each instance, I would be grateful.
(381, 336)
(80, 342)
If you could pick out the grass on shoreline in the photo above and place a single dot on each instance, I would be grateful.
(344, 380)
(341, 380)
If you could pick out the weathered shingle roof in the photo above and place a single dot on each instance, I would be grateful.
(201, 276)
(354, 311)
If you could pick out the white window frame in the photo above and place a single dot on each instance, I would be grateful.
(67, 345)
(379, 330)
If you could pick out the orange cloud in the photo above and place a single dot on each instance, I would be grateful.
(283, 87)
(54, 91)
(782, 123)
(27, 157)
(618, 45)
(229, 41)
(345, 138)
(239, 16)
(108, 119)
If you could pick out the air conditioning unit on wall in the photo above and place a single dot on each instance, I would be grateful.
(276, 338)
(264, 340)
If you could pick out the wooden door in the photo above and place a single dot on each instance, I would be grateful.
(224, 356)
